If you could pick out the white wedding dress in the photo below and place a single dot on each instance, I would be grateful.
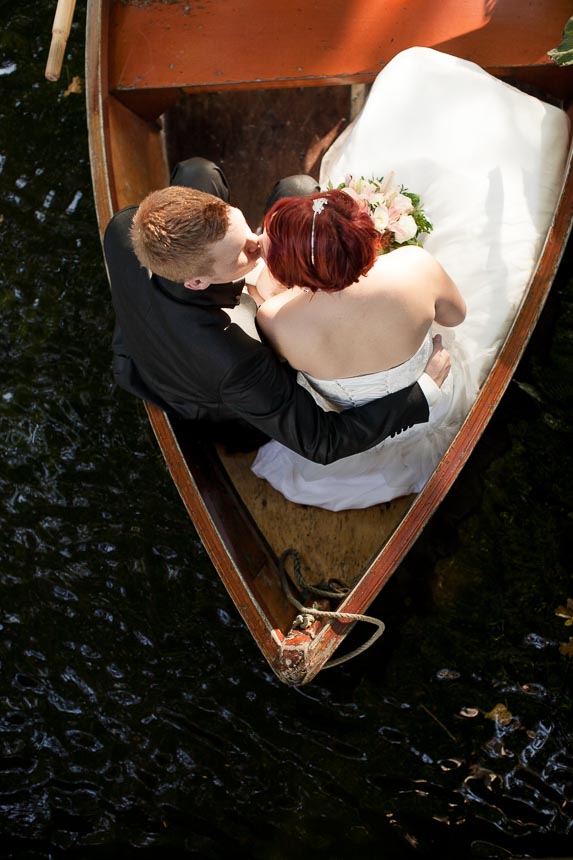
(395, 467)
(488, 162)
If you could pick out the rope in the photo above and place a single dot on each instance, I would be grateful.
(337, 589)
(310, 614)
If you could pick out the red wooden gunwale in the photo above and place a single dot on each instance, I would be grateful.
(140, 57)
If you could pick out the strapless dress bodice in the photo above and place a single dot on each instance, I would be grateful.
(356, 390)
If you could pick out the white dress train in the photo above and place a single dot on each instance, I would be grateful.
(487, 161)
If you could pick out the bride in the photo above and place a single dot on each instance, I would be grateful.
(490, 186)
(356, 326)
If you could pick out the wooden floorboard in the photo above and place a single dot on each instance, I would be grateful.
(330, 544)
(258, 136)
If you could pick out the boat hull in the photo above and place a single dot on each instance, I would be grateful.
(128, 90)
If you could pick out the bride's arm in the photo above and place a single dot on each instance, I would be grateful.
(423, 280)
(450, 307)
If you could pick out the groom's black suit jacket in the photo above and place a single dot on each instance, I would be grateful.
(177, 348)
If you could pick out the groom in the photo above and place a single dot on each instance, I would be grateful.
(180, 342)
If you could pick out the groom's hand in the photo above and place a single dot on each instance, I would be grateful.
(439, 363)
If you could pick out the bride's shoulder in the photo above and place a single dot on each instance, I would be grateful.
(272, 311)
(407, 265)
(278, 320)
(408, 255)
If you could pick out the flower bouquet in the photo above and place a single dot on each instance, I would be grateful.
(396, 212)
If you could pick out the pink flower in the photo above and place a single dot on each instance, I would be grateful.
(387, 184)
(402, 204)
(368, 190)
(362, 202)
(377, 199)
(351, 192)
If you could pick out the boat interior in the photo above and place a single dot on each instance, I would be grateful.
(262, 114)
(257, 137)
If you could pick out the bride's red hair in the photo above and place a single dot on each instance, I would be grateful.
(345, 241)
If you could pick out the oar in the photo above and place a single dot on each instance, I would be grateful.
(60, 32)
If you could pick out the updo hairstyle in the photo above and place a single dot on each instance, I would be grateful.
(345, 241)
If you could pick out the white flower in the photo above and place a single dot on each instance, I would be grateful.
(380, 218)
(404, 228)
(357, 184)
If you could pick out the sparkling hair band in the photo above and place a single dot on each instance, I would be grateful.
(318, 205)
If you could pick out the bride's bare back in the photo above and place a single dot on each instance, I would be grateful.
(374, 324)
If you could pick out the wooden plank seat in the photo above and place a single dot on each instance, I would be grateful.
(222, 45)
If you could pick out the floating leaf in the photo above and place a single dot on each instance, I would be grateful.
(530, 389)
(447, 674)
(566, 612)
(566, 648)
(563, 53)
(74, 87)
(450, 764)
(468, 712)
(500, 714)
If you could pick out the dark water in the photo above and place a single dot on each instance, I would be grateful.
(137, 718)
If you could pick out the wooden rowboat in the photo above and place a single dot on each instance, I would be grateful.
(167, 80)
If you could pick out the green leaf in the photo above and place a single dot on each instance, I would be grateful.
(563, 53)
(415, 198)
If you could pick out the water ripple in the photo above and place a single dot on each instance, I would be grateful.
(136, 711)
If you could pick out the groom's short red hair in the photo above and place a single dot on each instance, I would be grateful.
(345, 241)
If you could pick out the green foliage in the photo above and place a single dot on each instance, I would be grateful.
(563, 53)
